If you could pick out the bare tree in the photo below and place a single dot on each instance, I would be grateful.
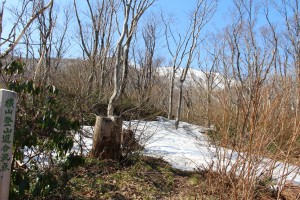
(201, 16)
(177, 58)
(209, 67)
(96, 38)
(107, 134)
(136, 8)
(46, 25)
(12, 39)
(184, 48)
(289, 11)
(43, 49)
(145, 60)
(251, 56)
(61, 41)
(290, 62)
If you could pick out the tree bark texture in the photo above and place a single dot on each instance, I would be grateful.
(171, 94)
(107, 138)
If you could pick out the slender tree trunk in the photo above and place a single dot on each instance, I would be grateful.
(182, 79)
(209, 88)
(102, 81)
(171, 94)
(208, 98)
(179, 104)
(91, 80)
(298, 84)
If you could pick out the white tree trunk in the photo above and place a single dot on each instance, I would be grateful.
(179, 104)
(171, 94)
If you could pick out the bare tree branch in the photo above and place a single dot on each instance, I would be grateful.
(31, 20)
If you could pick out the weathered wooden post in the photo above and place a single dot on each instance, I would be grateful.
(8, 101)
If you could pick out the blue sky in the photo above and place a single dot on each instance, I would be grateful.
(178, 8)
(181, 8)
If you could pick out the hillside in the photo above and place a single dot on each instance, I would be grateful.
(195, 77)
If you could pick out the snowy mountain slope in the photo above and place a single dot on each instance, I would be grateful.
(194, 77)
(187, 148)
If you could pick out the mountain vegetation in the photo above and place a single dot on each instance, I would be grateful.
(99, 62)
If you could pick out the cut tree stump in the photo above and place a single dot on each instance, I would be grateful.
(107, 138)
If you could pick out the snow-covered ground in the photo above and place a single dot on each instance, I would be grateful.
(187, 148)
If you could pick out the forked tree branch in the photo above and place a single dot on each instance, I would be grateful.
(31, 20)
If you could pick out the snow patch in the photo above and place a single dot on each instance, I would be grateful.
(187, 148)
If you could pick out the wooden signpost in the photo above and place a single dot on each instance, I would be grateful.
(8, 101)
